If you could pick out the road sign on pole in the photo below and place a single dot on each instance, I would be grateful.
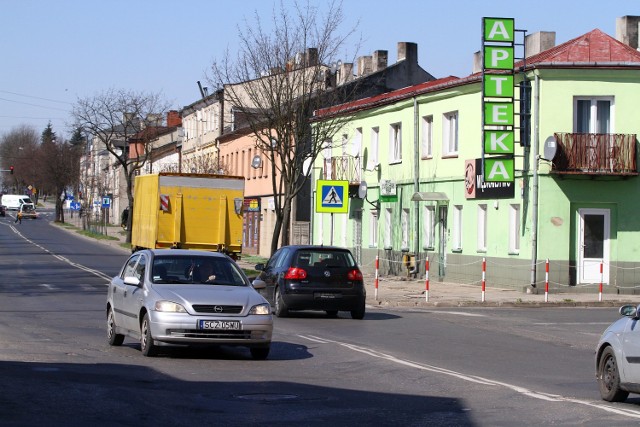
(332, 196)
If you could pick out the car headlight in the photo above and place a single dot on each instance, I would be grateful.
(260, 309)
(169, 307)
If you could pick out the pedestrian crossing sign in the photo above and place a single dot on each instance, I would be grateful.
(332, 196)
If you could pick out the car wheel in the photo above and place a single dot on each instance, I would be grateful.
(332, 313)
(114, 338)
(281, 308)
(609, 378)
(358, 313)
(146, 340)
(260, 353)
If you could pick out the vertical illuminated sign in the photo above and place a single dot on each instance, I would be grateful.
(498, 58)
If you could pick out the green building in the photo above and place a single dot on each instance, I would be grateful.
(413, 159)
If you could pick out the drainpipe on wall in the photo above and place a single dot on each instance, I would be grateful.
(534, 210)
(416, 177)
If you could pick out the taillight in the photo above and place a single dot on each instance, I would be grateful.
(354, 275)
(294, 273)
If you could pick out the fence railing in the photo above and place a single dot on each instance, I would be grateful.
(595, 154)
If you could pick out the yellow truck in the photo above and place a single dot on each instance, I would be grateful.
(188, 211)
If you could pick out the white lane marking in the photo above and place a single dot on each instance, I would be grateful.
(476, 379)
(63, 259)
(457, 313)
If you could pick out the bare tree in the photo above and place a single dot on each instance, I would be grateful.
(123, 122)
(273, 86)
(18, 148)
(59, 162)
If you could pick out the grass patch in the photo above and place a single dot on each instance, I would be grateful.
(96, 236)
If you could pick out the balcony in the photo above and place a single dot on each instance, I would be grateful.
(343, 168)
(595, 154)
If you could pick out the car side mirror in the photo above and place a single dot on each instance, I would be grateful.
(629, 310)
(259, 267)
(132, 281)
(259, 284)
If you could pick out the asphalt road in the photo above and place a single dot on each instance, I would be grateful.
(398, 366)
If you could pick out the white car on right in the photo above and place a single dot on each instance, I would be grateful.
(618, 356)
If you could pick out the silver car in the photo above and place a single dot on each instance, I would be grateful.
(186, 297)
(618, 356)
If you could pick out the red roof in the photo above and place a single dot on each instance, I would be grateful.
(595, 46)
(591, 49)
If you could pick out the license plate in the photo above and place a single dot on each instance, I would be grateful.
(328, 296)
(227, 325)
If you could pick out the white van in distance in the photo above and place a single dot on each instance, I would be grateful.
(14, 201)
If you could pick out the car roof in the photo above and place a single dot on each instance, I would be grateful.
(316, 247)
(185, 252)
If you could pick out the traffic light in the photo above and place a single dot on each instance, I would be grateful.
(11, 169)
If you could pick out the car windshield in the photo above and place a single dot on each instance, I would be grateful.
(323, 258)
(177, 269)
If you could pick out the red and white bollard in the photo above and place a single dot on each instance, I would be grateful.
(546, 281)
(426, 280)
(484, 271)
(375, 281)
(601, 280)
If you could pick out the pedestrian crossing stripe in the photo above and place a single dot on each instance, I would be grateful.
(332, 196)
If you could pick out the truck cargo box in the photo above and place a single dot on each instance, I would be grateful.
(188, 211)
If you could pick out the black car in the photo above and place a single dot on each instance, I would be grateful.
(3, 210)
(305, 277)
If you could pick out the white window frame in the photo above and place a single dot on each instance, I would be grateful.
(404, 224)
(374, 144)
(450, 134)
(388, 222)
(395, 143)
(482, 227)
(593, 113)
(456, 235)
(514, 229)
(427, 137)
(429, 227)
(373, 229)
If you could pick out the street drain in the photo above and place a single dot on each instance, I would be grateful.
(266, 397)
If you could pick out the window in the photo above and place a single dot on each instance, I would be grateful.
(450, 134)
(427, 137)
(429, 227)
(404, 222)
(593, 115)
(514, 229)
(387, 228)
(457, 228)
(373, 160)
(395, 143)
(373, 229)
(482, 228)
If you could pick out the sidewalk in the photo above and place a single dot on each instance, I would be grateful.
(395, 291)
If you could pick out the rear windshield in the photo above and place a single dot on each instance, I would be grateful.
(323, 258)
(197, 269)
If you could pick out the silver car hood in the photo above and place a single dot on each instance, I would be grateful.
(188, 295)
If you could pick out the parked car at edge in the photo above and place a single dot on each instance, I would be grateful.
(166, 297)
(304, 277)
(3, 210)
(618, 356)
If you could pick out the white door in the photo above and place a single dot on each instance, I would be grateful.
(593, 245)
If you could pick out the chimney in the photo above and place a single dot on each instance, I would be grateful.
(477, 62)
(364, 65)
(380, 58)
(627, 30)
(539, 42)
(345, 73)
(174, 119)
(408, 51)
(311, 57)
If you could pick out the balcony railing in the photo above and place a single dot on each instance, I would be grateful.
(345, 168)
(595, 154)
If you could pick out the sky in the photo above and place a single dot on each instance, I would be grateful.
(58, 51)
